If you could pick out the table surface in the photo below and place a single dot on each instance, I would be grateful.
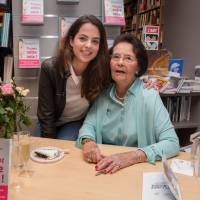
(73, 179)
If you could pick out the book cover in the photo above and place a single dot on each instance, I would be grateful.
(5, 30)
(158, 62)
(29, 53)
(8, 69)
(175, 67)
(151, 37)
(32, 12)
(64, 24)
(114, 12)
(5, 155)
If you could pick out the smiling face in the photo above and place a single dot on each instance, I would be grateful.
(85, 46)
(124, 64)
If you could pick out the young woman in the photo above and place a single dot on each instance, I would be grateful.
(72, 80)
(127, 114)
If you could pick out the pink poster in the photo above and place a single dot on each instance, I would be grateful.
(29, 53)
(114, 12)
(33, 12)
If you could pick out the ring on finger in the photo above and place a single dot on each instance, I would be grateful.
(89, 160)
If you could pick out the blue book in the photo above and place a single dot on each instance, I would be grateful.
(175, 66)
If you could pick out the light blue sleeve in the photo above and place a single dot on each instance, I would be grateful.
(88, 129)
(167, 142)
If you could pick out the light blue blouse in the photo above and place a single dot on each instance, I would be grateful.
(140, 121)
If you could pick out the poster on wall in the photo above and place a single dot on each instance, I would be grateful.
(113, 12)
(5, 155)
(151, 37)
(29, 53)
(32, 12)
(64, 24)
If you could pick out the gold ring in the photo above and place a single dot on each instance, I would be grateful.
(89, 160)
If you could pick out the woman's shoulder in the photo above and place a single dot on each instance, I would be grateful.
(150, 94)
(49, 63)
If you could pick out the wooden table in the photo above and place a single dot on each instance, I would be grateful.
(73, 179)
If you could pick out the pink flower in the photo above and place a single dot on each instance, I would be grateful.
(6, 89)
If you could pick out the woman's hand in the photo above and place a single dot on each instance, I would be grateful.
(115, 162)
(91, 152)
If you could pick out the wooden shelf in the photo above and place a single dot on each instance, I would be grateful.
(186, 124)
(151, 16)
(148, 10)
(180, 94)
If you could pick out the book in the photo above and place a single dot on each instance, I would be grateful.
(155, 187)
(175, 67)
(28, 53)
(64, 25)
(158, 62)
(113, 12)
(187, 86)
(5, 162)
(197, 72)
(8, 69)
(5, 30)
(150, 37)
(32, 12)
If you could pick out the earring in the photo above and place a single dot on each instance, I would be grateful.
(136, 73)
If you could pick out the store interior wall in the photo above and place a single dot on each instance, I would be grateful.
(182, 32)
(48, 35)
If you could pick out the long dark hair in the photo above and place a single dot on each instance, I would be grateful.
(96, 77)
(138, 49)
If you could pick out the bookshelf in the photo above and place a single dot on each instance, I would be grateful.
(143, 12)
(184, 110)
(5, 35)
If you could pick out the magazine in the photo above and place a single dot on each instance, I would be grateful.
(175, 67)
(151, 37)
(114, 12)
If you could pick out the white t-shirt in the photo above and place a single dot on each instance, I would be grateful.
(76, 106)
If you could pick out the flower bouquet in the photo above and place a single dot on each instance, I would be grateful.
(13, 110)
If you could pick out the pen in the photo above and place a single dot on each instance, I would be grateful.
(99, 173)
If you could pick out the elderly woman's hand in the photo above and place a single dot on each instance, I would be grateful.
(115, 162)
(91, 152)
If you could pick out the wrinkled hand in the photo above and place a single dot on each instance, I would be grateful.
(115, 162)
(91, 152)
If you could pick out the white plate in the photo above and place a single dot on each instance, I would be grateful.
(34, 157)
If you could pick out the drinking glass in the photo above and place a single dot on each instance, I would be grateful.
(16, 164)
(23, 141)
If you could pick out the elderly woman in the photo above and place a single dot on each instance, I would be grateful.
(128, 114)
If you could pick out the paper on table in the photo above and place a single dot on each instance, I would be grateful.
(155, 187)
(182, 167)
